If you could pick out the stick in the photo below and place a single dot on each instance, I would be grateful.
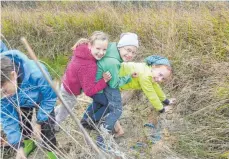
(87, 137)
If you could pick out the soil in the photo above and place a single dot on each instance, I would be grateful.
(136, 142)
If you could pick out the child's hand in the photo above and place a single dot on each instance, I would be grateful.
(172, 101)
(37, 131)
(134, 75)
(107, 76)
(20, 153)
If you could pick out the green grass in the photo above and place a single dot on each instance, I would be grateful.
(56, 66)
(193, 35)
(200, 30)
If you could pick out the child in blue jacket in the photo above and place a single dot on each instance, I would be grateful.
(23, 87)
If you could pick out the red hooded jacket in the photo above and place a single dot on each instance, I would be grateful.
(81, 73)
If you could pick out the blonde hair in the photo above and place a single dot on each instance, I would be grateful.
(96, 35)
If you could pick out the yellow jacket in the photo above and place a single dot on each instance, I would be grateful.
(144, 81)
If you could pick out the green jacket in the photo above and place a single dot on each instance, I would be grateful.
(112, 62)
(144, 81)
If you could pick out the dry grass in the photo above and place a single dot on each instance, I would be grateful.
(193, 35)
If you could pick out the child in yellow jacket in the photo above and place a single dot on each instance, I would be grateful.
(156, 69)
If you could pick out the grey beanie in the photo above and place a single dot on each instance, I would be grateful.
(128, 39)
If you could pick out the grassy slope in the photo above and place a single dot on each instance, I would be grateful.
(194, 36)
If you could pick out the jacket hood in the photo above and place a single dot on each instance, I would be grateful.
(83, 52)
(22, 62)
(113, 52)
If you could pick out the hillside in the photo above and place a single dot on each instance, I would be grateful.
(193, 35)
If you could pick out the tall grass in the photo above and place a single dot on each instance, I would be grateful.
(193, 35)
(53, 29)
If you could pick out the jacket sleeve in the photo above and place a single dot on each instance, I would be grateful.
(3, 47)
(47, 98)
(115, 81)
(87, 78)
(159, 92)
(10, 124)
(150, 92)
(124, 80)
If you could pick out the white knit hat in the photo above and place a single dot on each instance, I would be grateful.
(128, 39)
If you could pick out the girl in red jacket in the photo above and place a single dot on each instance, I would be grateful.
(80, 74)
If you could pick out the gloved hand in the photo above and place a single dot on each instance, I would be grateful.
(29, 146)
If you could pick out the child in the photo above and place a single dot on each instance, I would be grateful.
(80, 74)
(156, 69)
(124, 51)
(23, 88)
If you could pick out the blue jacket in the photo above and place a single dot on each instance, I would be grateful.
(33, 90)
(3, 47)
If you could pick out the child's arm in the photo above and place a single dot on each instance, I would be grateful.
(10, 124)
(124, 80)
(87, 78)
(159, 91)
(115, 81)
(162, 95)
(150, 92)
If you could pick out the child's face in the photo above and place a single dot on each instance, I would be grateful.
(98, 49)
(160, 73)
(9, 88)
(127, 53)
